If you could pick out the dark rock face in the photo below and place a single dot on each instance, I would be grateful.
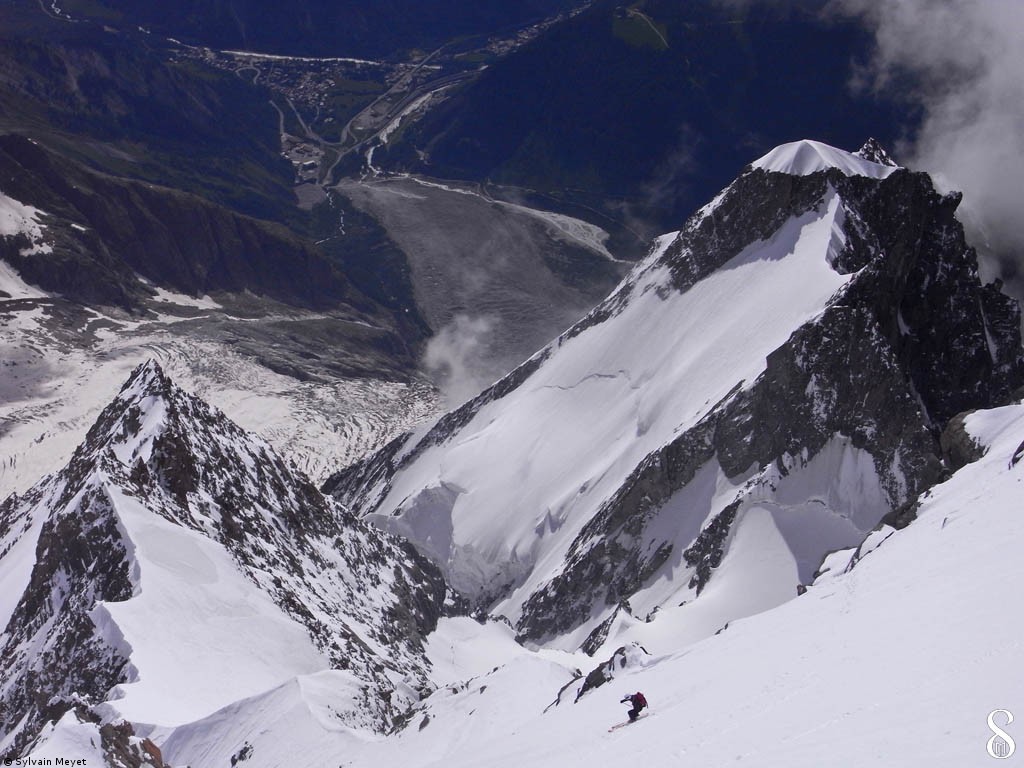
(321, 28)
(122, 749)
(958, 447)
(752, 208)
(327, 570)
(876, 153)
(598, 637)
(627, 656)
(50, 653)
(958, 341)
(705, 554)
(1017, 456)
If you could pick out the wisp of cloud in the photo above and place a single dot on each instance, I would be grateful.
(456, 361)
(962, 63)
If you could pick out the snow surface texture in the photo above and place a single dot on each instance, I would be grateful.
(855, 671)
(801, 158)
(627, 387)
(220, 639)
(19, 219)
(897, 660)
(637, 381)
(16, 288)
(72, 740)
(53, 384)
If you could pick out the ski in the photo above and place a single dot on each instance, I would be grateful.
(628, 722)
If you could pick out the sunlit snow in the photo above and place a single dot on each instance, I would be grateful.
(896, 662)
(801, 158)
(507, 497)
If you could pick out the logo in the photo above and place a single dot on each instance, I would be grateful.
(1000, 744)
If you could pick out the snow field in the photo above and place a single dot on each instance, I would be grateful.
(219, 639)
(896, 663)
(16, 218)
(70, 740)
(16, 288)
(19, 219)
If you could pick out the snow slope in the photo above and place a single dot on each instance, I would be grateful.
(642, 501)
(653, 373)
(778, 542)
(221, 640)
(16, 219)
(14, 287)
(897, 661)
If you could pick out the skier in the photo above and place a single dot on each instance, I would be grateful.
(638, 701)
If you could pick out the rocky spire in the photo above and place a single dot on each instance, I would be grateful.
(875, 152)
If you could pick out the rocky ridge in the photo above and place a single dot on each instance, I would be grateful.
(365, 600)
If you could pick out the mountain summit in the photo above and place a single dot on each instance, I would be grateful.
(768, 385)
(802, 158)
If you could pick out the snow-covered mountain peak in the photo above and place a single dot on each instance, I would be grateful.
(139, 414)
(768, 384)
(801, 158)
(185, 565)
(147, 380)
(873, 151)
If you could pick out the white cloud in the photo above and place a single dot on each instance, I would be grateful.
(962, 63)
(455, 358)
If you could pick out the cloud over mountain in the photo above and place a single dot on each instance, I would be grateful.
(960, 62)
